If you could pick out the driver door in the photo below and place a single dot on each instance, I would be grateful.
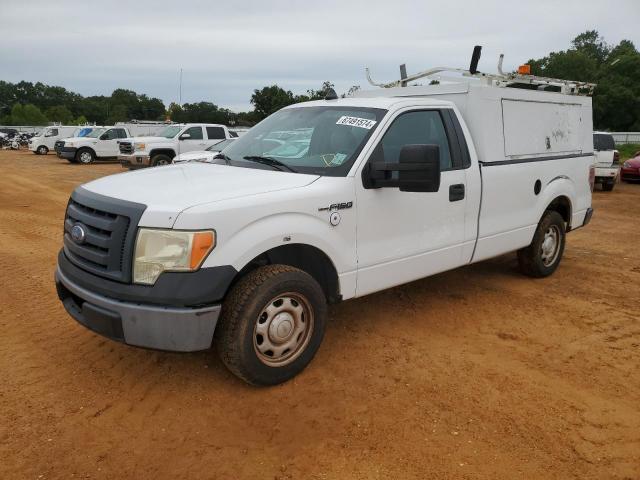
(404, 236)
(195, 140)
(107, 145)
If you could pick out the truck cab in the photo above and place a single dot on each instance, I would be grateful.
(100, 144)
(606, 161)
(322, 202)
(45, 141)
(173, 140)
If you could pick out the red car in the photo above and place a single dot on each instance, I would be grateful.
(630, 170)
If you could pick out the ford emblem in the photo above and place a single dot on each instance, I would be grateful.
(78, 233)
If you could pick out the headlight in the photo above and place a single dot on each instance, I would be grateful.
(626, 165)
(139, 146)
(160, 251)
(69, 144)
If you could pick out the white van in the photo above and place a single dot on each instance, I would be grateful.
(46, 139)
(398, 184)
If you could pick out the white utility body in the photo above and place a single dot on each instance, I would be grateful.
(173, 140)
(376, 191)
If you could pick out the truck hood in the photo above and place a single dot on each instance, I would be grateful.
(168, 190)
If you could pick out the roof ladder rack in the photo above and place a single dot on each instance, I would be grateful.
(500, 79)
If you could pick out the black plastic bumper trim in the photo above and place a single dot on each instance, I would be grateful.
(180, 289)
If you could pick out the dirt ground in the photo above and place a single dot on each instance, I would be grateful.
(475, 373)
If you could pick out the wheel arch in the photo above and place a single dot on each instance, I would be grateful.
(162, 151)
(562, 205)
(307, 258)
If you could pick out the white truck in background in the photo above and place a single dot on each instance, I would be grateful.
(46, 139)
(606, 160)
(173, 140)
(394, 185)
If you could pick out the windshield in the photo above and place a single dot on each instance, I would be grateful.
(603, 141)
(170, 132)
(317, 140)
(96, 133)
(217, 147)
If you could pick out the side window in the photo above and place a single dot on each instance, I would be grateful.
(233, 134)
(419, 127)
(195, 132)
(215, 133)
(53, 132)
(121, 133)
(111, 134)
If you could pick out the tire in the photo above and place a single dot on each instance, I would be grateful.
(85, 156)
(608, 184)
(71, 160)
(160, 159)
(541, 259)
(42, 150)
(275, 306)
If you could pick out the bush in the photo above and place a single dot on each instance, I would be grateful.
(627, 150)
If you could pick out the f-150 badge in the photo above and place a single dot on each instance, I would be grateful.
(336, 206)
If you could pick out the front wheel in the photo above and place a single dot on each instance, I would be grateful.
(85, 156)
(271, 325)
(543, 255)
(160, 159)
(42, 150)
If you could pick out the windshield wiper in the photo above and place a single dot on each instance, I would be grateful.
(272, 162)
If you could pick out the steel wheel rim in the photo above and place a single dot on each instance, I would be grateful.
(85, 157)
(162, 162)
(550, 248)
(42, 150)
(283, 329)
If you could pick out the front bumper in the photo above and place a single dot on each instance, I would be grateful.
(630, 174)
(68, 152)
(134, 161)
(179, 329)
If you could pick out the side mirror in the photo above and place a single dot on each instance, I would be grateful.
(185, 136)
(418, 170)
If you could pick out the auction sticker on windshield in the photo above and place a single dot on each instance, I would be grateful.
(356, 122)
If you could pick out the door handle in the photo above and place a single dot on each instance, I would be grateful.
(456, 192)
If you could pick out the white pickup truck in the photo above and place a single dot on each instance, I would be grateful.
(396, 185)
(606, 160)
(173, 140)
(100, 144)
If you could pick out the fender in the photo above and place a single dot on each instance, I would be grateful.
(560, 186)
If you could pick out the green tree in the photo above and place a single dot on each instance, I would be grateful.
(81, 120)
(59, 113)
(270, 99)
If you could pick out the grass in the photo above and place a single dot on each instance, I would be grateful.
(627, 150)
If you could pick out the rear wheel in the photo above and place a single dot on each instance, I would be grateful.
(542, 257)
(160, 159)
(608, 184)
(271, 325)
(85, 156)
(42, 150)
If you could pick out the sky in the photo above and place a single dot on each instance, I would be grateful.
(228, 49)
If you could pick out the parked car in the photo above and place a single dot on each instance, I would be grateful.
(46, 139)
(394, 185)
(173, 140)
(607, 168)
(205, 156)
(630, 171)
(82, 132)
(100, 144)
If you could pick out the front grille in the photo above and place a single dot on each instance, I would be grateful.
(109, 226)
(126, 148)
(58, 145)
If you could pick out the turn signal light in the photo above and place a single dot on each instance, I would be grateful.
(524, 69)
(202, 244)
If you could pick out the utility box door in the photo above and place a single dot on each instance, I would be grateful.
(540, 128)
